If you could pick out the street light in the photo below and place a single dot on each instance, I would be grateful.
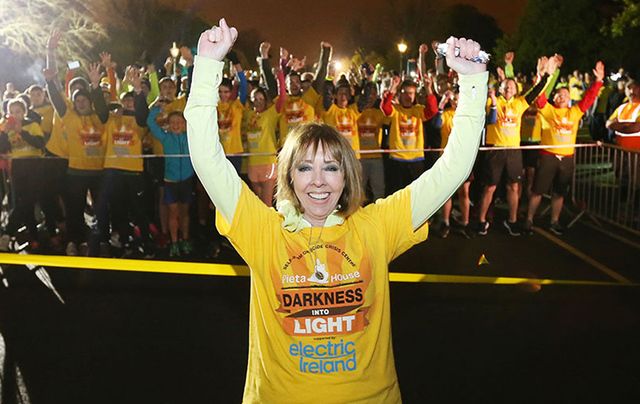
(175, 52)
(402, 48)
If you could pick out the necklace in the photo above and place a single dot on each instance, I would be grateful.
(320, 274)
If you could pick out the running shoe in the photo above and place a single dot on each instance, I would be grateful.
(174, 250)
(527, 229)
(444, 230)
(512, 228)
(556, 228)
(186, 248)
(483, 228)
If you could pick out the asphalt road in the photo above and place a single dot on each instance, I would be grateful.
(150, 338)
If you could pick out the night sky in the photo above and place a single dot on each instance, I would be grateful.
(301, 25)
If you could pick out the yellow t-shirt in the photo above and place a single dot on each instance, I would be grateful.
(20, 147)
(46, 112)
(447, 125)
(319, 326)
(312, 97)
(575, 89)
(407, 132)
(229, 123)
(295, 111)
(178, 104)
(85, 140)
(57, 143)
(370, 131)
(559, 127)
(345, 120)
(123, 137)
(528, 130)
(506, 130)
(260, 131)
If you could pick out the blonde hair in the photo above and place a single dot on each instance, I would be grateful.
(295, 148)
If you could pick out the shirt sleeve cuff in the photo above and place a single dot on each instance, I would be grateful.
(473, 93)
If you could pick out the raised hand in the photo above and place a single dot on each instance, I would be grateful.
(136, 79)
(508, 57)
(284, 54)
(94, 74)
(395, 83)
(216, 42)
(492, 94)
(542, 65)
(598, 71)
(552, 65)
(559, 59)
(501, 75)
(105, 58)
(423, 49)
(54, 39)
(467, 49)
(264, 50)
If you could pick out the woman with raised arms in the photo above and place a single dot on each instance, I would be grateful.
(320, 327)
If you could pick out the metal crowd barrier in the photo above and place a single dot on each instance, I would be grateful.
(606, 185)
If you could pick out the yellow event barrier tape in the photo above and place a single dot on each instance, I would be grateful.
(199, 268)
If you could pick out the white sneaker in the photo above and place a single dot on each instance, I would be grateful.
(71, 249)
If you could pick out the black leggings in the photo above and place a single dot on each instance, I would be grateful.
(122, 196)
(26, 185)
(77, 187)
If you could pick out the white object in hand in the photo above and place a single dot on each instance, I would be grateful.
(483, 57)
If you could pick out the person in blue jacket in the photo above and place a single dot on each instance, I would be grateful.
(178, 178)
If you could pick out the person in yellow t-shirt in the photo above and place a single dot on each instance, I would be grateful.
(22, 141)
(123, 189)
(370, 125)
(320, 326)
(83, 129)
(556, 165)
(230, 113)
(260, 124)
(506, 133)
(406, 136)
(338, 114)
(625, 120)
(299, 107)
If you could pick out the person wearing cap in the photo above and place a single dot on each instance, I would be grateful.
(84, 128)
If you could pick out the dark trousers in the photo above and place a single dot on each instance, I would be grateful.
(402, 173)
(26, 185)
(122, 197)
(54, 172)
(76, 201)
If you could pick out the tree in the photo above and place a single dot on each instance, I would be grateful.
(575, 30)
(628, 18)
(25, 26)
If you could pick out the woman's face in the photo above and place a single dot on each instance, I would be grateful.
(225, 93)
(259, 103)
(318, 182)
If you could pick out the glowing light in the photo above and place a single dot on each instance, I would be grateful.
(174, 50)
(402, 47)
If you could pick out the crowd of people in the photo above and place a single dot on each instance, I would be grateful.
(98, 164)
